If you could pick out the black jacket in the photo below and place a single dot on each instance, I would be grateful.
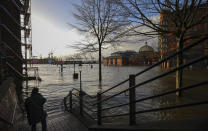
(34, 108)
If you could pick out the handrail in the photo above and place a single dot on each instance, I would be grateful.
(160, 62)
(82, 91)
(156, 77)
(79, 98)
(163, 108)
(161, 94)
(173, 107)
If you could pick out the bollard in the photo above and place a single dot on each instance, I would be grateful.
(132, 98)
(99, 109)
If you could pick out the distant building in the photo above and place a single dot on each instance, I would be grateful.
(145, 56)
(120, 58)
(167, 42)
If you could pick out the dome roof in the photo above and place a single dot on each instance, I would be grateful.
(146, 48)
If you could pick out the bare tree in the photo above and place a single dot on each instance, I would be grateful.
(102, 20)
(183, 16)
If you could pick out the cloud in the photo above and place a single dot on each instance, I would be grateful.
(47, 37)
(51, 32)
(57, 12)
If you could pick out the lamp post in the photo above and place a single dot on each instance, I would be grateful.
(80, 91)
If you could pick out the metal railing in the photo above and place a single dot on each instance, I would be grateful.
(98, 104)
(78, 101)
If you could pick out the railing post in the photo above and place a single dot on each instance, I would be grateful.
(65, 106)
(81, 103)
(132, 98)
(99, 109)
(1, 68)
(70, 101)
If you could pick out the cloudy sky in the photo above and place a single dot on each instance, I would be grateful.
(50, 31)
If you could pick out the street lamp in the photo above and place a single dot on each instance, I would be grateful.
(80, 94)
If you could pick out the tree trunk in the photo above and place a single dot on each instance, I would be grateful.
(179, 62)
(100, 65)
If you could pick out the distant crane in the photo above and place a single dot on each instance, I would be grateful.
(50, 54)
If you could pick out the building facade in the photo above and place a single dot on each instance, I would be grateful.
(145, 56)
(15, 39)
(120, 58)
(10, 37)
(167, 42)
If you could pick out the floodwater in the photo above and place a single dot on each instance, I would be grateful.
(55, 85)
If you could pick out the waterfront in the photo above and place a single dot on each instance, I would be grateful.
(55, 85)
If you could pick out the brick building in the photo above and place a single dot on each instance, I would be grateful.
(145, 56)
(167, 42)
(120, 58)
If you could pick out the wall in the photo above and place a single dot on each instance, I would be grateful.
(9, 109)
(167, 45)
(10, 37)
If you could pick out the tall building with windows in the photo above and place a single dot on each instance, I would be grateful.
(167, 42)
(10, 38)
(15, 39)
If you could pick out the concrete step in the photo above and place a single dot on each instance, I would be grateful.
(170, 125)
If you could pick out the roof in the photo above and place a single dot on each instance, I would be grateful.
(127, 52)
(146, 48)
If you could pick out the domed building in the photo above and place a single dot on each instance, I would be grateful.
(146, 51)
(146, 48)
(145, 56)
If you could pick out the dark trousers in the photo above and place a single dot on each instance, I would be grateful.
(43, 123)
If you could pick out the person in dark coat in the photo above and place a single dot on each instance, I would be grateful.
(35, 111)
